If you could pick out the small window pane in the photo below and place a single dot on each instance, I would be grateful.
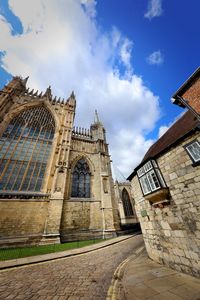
(154, 183)
(145, 185)
(147, 166)
(141, 172)
(150, 177)
(194, 150)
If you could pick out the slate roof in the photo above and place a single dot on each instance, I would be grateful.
(177, 132)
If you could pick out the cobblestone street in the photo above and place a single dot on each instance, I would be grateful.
(85, 276)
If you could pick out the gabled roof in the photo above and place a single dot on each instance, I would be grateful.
(178, 131)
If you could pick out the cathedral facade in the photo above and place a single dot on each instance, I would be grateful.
(55, 180)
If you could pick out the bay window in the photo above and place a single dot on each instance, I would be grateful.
(150, 177)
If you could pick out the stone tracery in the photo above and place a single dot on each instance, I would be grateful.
(24, 150)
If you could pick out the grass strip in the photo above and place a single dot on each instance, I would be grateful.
(14, 253)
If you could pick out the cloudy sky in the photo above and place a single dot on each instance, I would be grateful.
(123, 58)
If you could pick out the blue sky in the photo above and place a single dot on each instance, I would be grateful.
(125, 58)
(175, 33)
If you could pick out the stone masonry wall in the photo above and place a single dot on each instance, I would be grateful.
(172, 233)
(88, 217)
(76, 215)
(22, 221)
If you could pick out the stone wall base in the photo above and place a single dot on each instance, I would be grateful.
(82, 235)
(178, 264)
(48, 239)
(19, 241)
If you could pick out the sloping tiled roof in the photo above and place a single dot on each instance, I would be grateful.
(183, 126)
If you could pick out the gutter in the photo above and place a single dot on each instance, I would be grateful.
(184, 103)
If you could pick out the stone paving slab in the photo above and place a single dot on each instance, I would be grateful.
(51, 256)
(145, 279)
(81, 277)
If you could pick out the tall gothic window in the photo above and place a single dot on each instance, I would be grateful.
(128, 210)
(81, 180)
(24, 150)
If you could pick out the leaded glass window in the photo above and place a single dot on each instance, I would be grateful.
(24, 150)
(81, 180)
(193, 150)
(128, 210)
(150, 177)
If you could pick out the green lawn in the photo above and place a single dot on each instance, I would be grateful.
(14, 253)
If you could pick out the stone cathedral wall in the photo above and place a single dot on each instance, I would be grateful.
(87, 217)
(44, 214)
(22, 221)
(172, 233)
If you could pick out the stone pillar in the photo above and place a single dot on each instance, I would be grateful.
(52, 227)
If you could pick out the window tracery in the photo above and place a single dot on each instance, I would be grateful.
(81, 180)
(128, 210)
(24, 150)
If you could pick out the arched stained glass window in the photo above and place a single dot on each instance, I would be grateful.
(24, 150)
(128, 210)
(81, 180)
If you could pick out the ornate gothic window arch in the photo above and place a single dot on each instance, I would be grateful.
(81, 180)
(24, 150)
(128, 210)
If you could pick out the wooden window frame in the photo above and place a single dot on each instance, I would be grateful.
(150, 175)
(195, 162)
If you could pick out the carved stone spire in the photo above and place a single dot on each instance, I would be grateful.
(48, 93)
(24, 81)
(97, 129)
(72, 95)
(96, 117)
(72, 99)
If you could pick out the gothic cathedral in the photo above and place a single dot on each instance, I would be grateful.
(55, 180)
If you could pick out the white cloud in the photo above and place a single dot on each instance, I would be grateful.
(116, 36)
(5, 28)
(155, 58)
(62, 46)
(125, 53)
(162, 130)
(154, 9)
(133, 146)
(89, 6)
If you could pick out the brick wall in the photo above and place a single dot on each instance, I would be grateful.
(193, 95)
(172, 233)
